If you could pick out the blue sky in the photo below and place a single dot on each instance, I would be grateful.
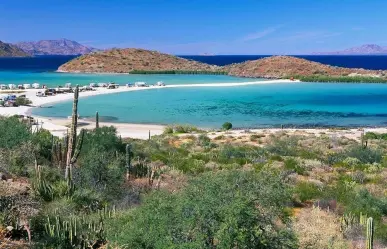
(200, 26)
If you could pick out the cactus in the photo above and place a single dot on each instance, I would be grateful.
(96, 120)
(363, 219)
(73, 146)
(128, 157)
(370, 233)
(347, 221)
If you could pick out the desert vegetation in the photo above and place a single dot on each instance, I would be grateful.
(183, 189)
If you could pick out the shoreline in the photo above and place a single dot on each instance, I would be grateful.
(141, 131)
(58, 126)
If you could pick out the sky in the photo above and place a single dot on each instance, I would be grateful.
(188, 27)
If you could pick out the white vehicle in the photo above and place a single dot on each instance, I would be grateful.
(160, 83)
(102, 84)
(27, 86)
(11, 86)
(3, 87)
(68, 85)
(36, 85)
(93, 85)
(140, 84)
(40, 94)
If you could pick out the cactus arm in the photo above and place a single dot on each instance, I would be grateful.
(370, 233)
(79, 147)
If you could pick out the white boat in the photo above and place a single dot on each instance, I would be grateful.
(140, 84)
(27, 86)
(36, 85)
(160, 83)
(11, 86)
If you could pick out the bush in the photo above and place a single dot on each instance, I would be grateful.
(227, 126)
(307, 191)
(19, 101)
(13, 132)
(292, 164)
(223, 210)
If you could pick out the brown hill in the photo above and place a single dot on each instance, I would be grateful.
(8, 50)
(288, 66)
(131, 59)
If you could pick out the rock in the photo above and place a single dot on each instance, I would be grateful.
(9, 228)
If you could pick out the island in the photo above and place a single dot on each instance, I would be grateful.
(132, 60)
(141, 61)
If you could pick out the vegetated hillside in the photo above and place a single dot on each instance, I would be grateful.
(9, 50)
(289, 66)
(133, 60)
(55, 47)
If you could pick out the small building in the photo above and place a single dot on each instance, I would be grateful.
(27, 86)
(3, 87)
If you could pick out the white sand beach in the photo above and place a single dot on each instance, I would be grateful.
(141, 131)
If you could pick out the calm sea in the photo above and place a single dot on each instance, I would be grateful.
(267, 105)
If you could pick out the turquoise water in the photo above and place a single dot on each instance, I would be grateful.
(53, 79)
(266, 105)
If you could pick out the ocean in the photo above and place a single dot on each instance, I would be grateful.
(266, 105)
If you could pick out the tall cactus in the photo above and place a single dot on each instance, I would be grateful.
(370, 233)
(128, 157)
(73, 146)
(96, 120)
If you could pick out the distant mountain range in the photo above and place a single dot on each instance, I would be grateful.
(55, 47)
(9, 50)
(367, 49)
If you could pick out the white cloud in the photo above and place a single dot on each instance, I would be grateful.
(260, 34)
(310, 35)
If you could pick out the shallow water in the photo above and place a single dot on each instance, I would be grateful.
(266, 105)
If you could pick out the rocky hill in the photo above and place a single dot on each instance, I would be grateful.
(9, 50)
(367, 49)
(55, 47)
(288, 66)
(130, 60)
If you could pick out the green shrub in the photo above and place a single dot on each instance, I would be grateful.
(365, 155)
(13, 132)
(19, 101)
(227, 126)
(222, 210)
(292, 164)
(307, 191)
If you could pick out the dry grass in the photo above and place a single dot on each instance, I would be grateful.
(318, 229)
